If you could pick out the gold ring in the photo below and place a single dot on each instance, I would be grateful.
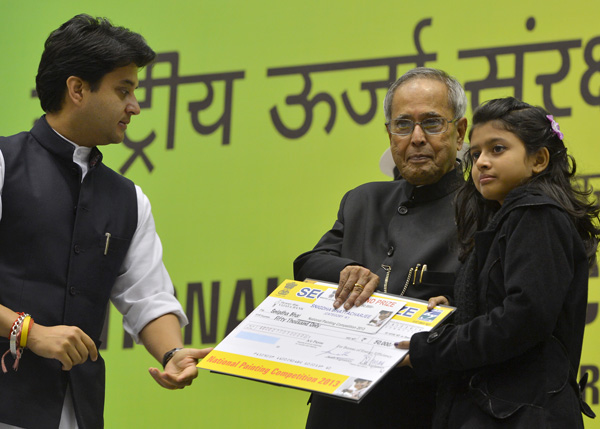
(359, 287)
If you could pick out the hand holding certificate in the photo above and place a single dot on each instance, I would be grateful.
(296, 338)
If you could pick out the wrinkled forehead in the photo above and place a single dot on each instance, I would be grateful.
(421, 97)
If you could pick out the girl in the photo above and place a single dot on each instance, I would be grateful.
(527, 239)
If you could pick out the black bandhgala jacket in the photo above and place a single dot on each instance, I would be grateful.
(398, 225)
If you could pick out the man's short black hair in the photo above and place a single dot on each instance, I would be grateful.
(88, 48)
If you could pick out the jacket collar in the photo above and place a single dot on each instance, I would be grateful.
(522, 196)
(449, 183)
(55, 144)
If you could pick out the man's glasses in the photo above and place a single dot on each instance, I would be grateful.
(430, 126)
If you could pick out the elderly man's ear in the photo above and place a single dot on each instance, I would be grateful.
(461, 128)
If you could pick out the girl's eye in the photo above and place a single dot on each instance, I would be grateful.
(475, 155)
(498, 148)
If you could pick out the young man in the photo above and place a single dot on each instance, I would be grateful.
(74, 234)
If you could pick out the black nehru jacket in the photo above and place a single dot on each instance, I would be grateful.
(54, 265)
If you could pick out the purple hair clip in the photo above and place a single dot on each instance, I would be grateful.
(555, 127)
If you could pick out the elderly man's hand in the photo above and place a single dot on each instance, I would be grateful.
(357, 284)
(437, 300)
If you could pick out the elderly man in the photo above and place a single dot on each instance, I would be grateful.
(398, 237)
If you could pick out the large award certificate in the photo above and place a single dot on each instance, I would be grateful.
(296, 338)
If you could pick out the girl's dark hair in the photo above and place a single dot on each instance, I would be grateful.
(88, 48)
(533, 128)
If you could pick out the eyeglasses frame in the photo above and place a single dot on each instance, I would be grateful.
(448, 121)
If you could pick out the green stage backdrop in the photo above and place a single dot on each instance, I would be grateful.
(259, 115)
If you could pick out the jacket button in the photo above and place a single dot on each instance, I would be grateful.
(436, 334)
(77, 249)
(432, 337)
(390, 251)
(72, 290)
(402, 210)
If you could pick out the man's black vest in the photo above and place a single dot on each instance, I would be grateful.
(54, 265)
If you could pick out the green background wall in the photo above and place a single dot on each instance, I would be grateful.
(232, 217)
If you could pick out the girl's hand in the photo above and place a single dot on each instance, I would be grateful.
(405, 345)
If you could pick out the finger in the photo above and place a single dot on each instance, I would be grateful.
(437, 300)
(344, 274)
(357, 289)
(92, 350)
(186, 377)
(370, 287)
(344, 291)
(70, 355)
(158, 377)
(67, 363)
(182, 378)
(349, 276)
(402, 345)
(82, 346)
(198, 354)
(204, 352)
(78, 353)
(405, 362)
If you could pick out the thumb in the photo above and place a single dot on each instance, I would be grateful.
(198, 353)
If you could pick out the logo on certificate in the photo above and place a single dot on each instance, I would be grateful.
(288, 287)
